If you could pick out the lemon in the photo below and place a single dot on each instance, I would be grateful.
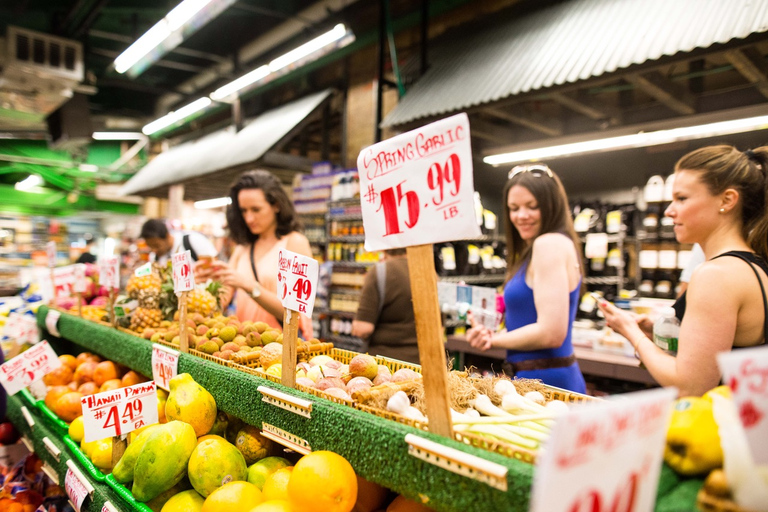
(101, 454)
(693, 440)
(259, 471)
(77, 430)
(276, 370)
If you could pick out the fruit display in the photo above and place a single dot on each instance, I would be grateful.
(25, 488)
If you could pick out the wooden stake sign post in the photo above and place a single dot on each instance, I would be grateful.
(109, 277)
(183, 282)
(50, 249)
(79, 286)
(296, 287)
(416, 189)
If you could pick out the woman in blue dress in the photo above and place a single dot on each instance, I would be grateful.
(542, 289)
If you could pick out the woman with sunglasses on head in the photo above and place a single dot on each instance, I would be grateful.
(261, 220)
(543, 282)
(719, 202)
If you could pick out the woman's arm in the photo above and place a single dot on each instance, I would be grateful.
(549, 261)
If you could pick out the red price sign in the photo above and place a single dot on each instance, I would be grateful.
(50, 249)
(746, 372)
(417, 188)
(80, 283)
(117, 412)
(296, 281)
(75, 488)
(183, 275)
(165, 365)
(63, 281)
(22, 328)
(605, 457)
(109, 272)
(28, 367)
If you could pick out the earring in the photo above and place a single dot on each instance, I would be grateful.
(722, 210)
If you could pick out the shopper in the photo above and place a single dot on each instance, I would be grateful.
(164, 242)
(261, 220)
(385, 313)
(720, 203)
(543, 283)
(87, 255)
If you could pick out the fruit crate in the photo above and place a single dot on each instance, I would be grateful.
(126, 494)
(93, 472)
(56, 424)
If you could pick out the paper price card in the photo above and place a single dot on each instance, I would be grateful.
(28, 367)
(50, 249)
(165, 365)
(80, 283)
(117, 412)
(52, 322)
(76, 490)
(183, 275)
(296, 281)
(604, 457)
(746, 372)
(143, 270)
(417, 188)
(109, 272)
(63, 280)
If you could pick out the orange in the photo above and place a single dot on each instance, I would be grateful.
(323, 482)
(54, 393)
(68, 406)
(87, 356)
(105, 371)
(68, 360)
(111, 385)
(84, 372)
(233, 496)
(61, 376)
(370, 496)
(402, 504)
(132, 378)
(276, 486)
(89, 388)
(73, 385)
(273, 506)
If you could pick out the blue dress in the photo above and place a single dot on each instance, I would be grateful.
(521, 311)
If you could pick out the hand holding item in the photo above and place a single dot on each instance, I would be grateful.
(620, 321)
(478, 336)
(205, 267)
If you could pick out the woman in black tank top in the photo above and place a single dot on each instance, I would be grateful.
(719, 202)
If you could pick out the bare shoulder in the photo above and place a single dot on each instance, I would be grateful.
(552, 245)
(296, 242)
(237, 253)
(720, 277)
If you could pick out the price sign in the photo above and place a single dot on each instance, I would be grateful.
(80, 284)
(109, 272)
(118, 412)
(143, 270)
(76, 490)
(605, 457)
(22, 328)
(50, 249)
(417, 188)
(52, 321)
(108, 507)
(746, 373)
(28, 367)
(165, 365)
(296, 281)
(183, 275)
(63, 281)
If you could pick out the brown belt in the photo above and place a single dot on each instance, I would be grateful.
(542, 364)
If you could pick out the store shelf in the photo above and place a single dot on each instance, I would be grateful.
(334, 312)
(345, 216)
(353, 264)
(346, 342)
(483, 239)
(319, 241)
(487, 279)
(608, 280)
(348, 238)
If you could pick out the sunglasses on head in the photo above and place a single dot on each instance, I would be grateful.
(537, 170)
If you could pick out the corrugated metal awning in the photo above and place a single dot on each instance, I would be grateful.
(209, 160)
(569, 42)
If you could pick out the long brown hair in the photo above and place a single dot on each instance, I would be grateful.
(550, 196)
(722, 167)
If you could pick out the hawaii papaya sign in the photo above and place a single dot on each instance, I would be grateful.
(120, 411)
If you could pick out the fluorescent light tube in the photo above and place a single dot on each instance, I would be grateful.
(175, 116)
(88, 168)
(213, 203)
(117, 136)
(244, 81)
(32, 181)
(635, 140)
(184, 12)
(312, 46)
(143, 45)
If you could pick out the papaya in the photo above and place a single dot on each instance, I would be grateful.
(157, 503)
(213, 463)
(123, 470)
(187, 501)
(189, 402)
(163, 460)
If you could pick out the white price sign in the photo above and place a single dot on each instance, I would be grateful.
(22, 328)
(746, 373)
(296, 281)
(52, 322)
(109, 272)
(183, 274)
(143, 270)
(605, 457)
(417, 188)
(63, 281)
(50, 249)
(165, 365)
(118, 412)
(28, 367)
(76, 490)
(80, 284)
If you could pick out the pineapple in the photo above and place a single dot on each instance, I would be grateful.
(146, 317)
(138, 284)
(149, 298)
(201, 301)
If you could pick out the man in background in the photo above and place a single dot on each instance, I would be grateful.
(164, 242)
(87, 256)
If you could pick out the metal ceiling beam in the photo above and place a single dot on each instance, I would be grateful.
(110, 36)
(587, 108)
(673, 95)
(539, 123)
(492, 132)
(751, 65)
(162, 63)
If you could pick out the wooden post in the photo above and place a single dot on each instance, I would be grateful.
(79, 297)
(183, 335)
(429, 333)
(119, 443)
(111, 305)
(290, 340)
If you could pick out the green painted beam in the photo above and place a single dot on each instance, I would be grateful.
(55, 203)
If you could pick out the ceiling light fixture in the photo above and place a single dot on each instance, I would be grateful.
(635, 140)
(32, 181)
(176, 115)
(212, 203)
(88, 167)
(118, 136)
(339, 34)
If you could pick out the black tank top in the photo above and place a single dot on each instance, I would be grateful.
(752, 259)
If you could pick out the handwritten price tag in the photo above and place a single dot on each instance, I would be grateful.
(296, 281)
(605, 457)
(165, 365)
(76, 490)
(746, 372)
(417, 188)
(63, 281)
(109, 272)
(22, 328)
(50, 249)
(183, 275)
(27, 367)
(80, 284)
(117, 412)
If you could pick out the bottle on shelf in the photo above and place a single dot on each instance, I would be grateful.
(666, 330)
